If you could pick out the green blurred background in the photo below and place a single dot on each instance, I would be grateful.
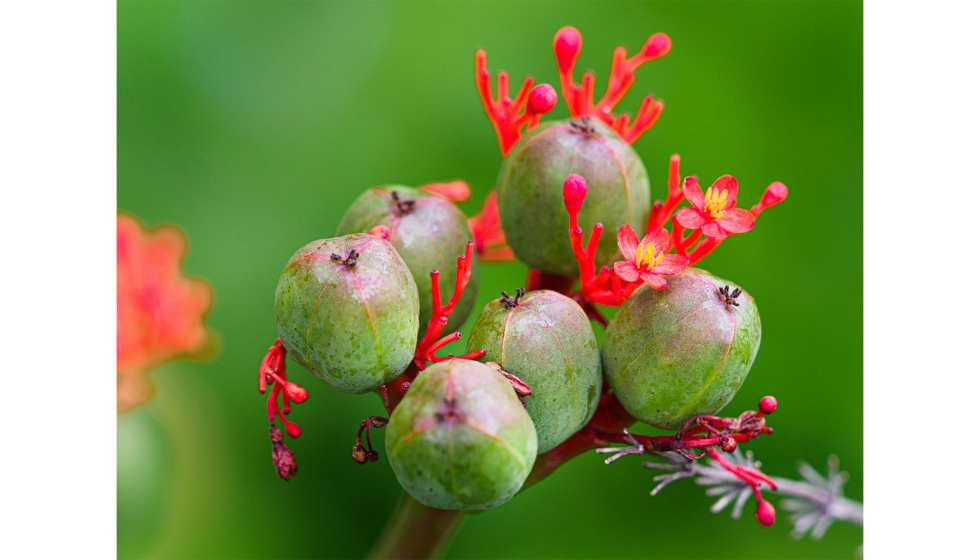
(254, 124)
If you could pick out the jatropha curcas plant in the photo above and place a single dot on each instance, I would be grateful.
(536, 387)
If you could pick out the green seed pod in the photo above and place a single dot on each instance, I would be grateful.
(460, 439)
(530, 185)
(681, 351)
(429, 232)
(347, 310)
(545, 339)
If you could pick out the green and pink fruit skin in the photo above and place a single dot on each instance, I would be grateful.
(530, 193)
(431, 236)
(547, 342)
(460, 439)
(355, 327)
(681, 351)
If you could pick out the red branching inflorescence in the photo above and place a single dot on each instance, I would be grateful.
(568, 44)
(508, 115)
(159, 310)
(488, 232)
(272, 371)
(425, 351)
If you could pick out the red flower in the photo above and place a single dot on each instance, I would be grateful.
(646, 258)
(159, 310)
(714, 212)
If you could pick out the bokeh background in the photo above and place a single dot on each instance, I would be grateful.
(252, 125)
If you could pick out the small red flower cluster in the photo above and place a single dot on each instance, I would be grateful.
(712, 215)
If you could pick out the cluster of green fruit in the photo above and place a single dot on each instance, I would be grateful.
(352, 309)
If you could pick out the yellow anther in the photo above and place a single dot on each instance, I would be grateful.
(647, 256)
(714, 203)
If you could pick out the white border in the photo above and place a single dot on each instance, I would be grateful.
(57, 241)
(57, 171)
(920, 293)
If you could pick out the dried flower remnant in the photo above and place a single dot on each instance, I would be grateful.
(159, 311)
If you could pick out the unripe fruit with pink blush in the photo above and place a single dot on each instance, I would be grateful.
(681, 351)
(546, 340)
(530, 188)
(460, 439)
(347, 309)
(429, 232)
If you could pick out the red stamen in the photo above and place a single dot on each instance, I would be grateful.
(508, 115)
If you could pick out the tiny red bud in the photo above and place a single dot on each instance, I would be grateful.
(574, 191)
(765, 513)
(542, 99)
(293, 429)
(380, 230)
(775, 193)
(567, 45)
(656, 46)
(295, 393)
(767, 405)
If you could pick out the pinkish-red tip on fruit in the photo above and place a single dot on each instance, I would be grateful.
(542, 99)
(567, 45)
(380, 230)
(574, 191)
(765, 513)
(767, 405)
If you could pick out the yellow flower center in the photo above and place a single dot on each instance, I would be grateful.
(647, 256)
(714, 203)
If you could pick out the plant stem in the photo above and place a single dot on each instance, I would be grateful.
(417, 531)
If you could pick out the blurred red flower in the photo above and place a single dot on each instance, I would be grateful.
(159, 311)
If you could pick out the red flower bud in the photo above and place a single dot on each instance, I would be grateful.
(567, 45)
(295, 393)
(293, 429)
(656, 46)
(542, 99)
(574, 191)
(765, 513)
(767, 405)
(774, 194)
